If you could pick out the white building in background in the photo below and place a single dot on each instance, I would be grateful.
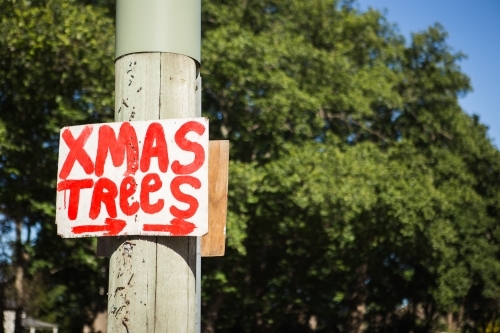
(28, 323)
(8, 321)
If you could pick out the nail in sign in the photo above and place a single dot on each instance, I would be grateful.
(133, 178)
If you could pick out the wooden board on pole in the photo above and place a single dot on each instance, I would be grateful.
(213, 243)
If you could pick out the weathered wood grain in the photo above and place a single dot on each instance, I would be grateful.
(198, 239)
(178, 87)
(137, 87)
(176, 298)
(213, 243)
(132, 289)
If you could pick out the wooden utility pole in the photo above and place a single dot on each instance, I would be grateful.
(153, 284)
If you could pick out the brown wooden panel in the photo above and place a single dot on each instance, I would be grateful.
(213, 243)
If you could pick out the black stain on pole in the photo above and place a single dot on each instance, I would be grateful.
(118, 310)
(118, 289)
(128, 247)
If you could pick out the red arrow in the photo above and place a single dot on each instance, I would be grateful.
(177, 228)
(113, 226)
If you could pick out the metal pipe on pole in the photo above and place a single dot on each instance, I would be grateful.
(154, 281)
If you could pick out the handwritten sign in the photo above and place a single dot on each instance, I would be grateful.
(133, 178)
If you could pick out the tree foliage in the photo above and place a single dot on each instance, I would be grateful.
(362, 197)
(55, 70)
(358, 199)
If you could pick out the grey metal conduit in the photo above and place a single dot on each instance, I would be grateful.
(158, 26)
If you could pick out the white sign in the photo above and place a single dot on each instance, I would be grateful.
(133, 178)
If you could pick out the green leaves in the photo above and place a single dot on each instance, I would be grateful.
(56, 69)
(355, 179)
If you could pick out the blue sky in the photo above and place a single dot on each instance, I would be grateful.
(474, 29)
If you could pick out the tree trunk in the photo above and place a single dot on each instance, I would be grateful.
(412, 316)
(449, 321)
(212, 314)
(460, 316)
(357, 300)
(2, 305)
(19, 279)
